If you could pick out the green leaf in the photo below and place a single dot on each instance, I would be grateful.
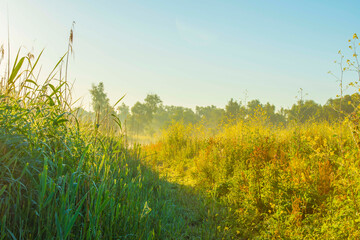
(119, 100)
(16, 70)
(3, 190)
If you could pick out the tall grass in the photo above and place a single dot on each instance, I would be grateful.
(62, 180)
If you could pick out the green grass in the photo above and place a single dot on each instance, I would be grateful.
(61, 179)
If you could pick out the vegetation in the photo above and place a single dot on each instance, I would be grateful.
(294, 181)
(143, 120)
(152, 116)
(245, 171)
(61, 178)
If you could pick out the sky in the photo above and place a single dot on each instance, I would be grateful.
(190, 53)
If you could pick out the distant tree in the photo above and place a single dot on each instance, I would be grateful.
(138, 117)
(142, 114)
(234, 110)
(101, 106)
(253, 106)
(281, 116)
(189, 116)
(333, 112)
(161, 118)
(269, 110)
(210, 115)
(123, 111)
(151, 115)
(304, 111)
(178, 113)
(165, 115)
(152, 104)
(100, 101)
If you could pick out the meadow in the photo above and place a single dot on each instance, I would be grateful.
(62, 177)
(299, 182)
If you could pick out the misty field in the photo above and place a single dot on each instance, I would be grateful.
(243, 172)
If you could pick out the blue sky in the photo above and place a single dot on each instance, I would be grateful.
(190, 52)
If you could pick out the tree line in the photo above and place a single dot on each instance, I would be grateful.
(151, 115)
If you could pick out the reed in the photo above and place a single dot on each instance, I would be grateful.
(61, 179)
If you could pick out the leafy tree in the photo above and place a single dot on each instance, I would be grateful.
(210, 115)
(165, 115)
(123, 111)
(100, 101)
(152, 103)
(234, 110)
(274, 117)
(151, 115)
(178, 113)
(332, 110)
(142, 114)
(252, 107)
(101, 107)
(138, 117)
(304, 111)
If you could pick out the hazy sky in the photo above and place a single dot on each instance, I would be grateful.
(190, 52)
